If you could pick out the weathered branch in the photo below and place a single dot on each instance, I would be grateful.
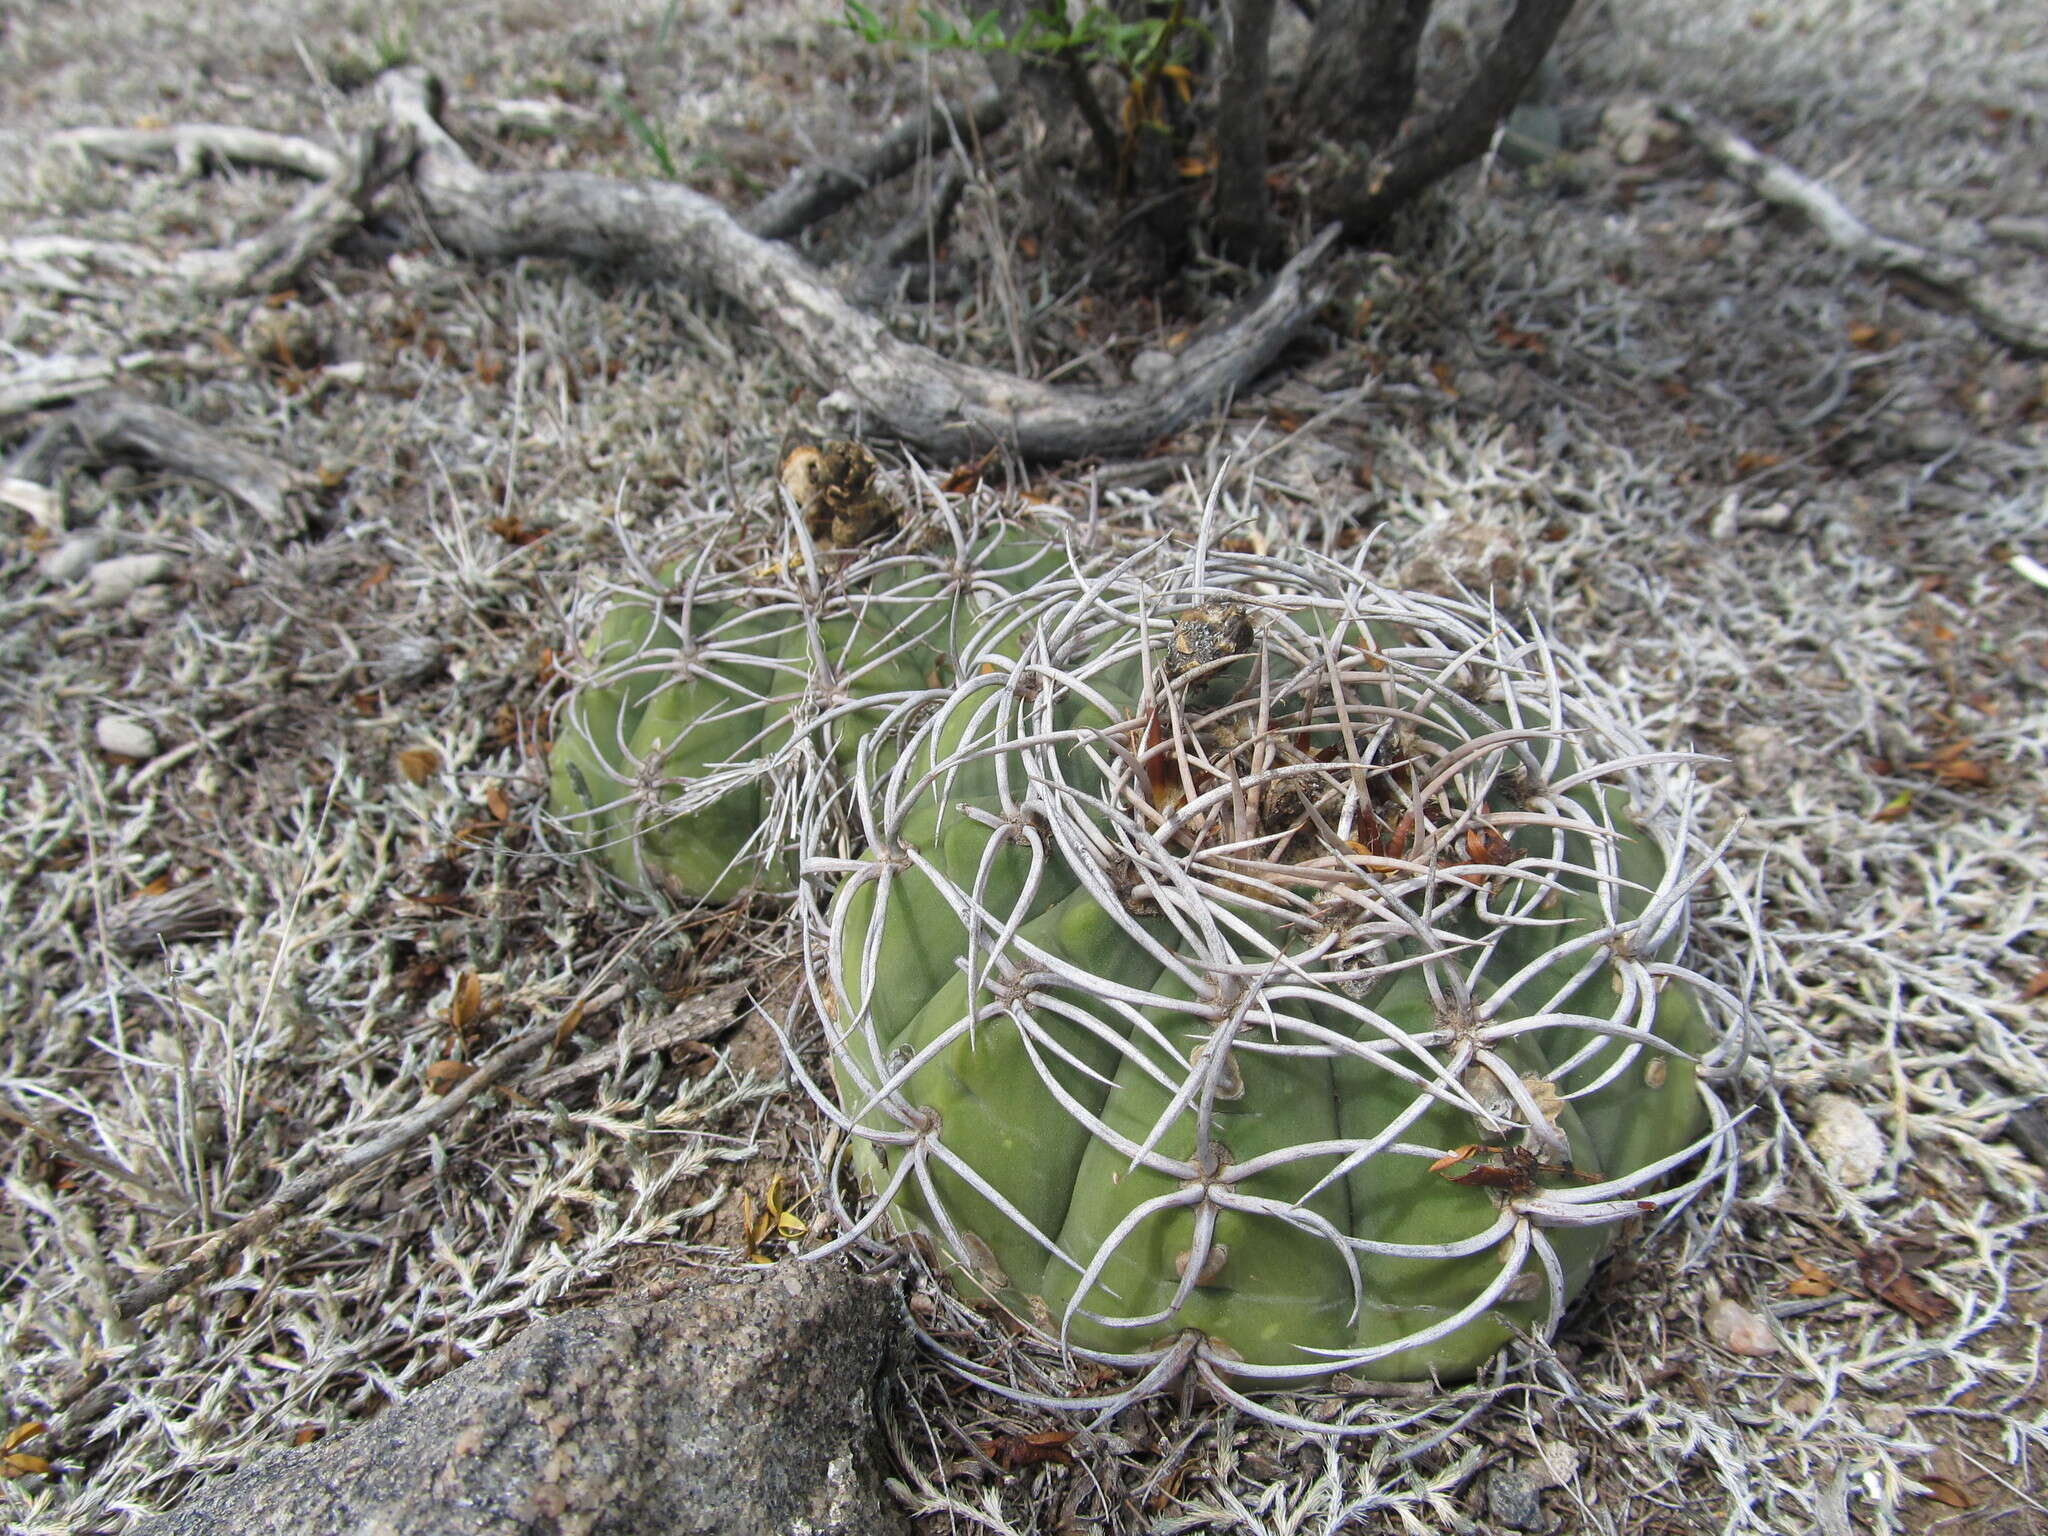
(190, 147)
(1462, 131)
(919, 231)
(703, 1017)
(111, 424)
(818, 191)
(1951, 281)
(40, 259)
(47, 381)
(1242, 200)
(945, 408)
(1358, 82)
(320, 220)
(327, 214)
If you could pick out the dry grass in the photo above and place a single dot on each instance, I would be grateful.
(1771, 498)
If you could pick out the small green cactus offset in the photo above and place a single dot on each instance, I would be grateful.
(712, 693)
(1257, 972)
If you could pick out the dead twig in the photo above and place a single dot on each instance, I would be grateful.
(110, 423)
(2026, 1127)
(910, 239)
(164, 762)
(317, 223)
(1949, 280)
(309, 1186)
(86, 1158)
(1462, 131)
(818, 191)
(192, 146)
(705, 1016)
(946, 408)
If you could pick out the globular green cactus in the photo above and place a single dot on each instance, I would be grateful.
(1255, 971)
(716, 695)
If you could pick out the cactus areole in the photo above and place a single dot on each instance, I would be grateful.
(1255, 971)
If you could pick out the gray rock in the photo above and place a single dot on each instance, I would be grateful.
(1513, 1504)
(115, 580)
(740, 1406)
(122, 737)
(64, 563)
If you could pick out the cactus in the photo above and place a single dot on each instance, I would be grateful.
(711, 694)
(1255, 971)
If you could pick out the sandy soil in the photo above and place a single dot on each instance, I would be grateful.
(1774, 499)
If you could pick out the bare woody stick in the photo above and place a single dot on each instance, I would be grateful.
(1952, 281)
(946, 408)
(818, 191)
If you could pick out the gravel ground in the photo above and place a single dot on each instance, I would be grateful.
(264, 868)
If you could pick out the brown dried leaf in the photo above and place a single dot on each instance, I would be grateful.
(21, 1464)
(1948, 1492)
(1895, 807)
(1888, 1272)
(1812, 1281)
(1013, 1453)
(443, 1075)
(306, 1434)
(513, 530)
(570, 1021)
(2037, 984)
(1483, 845)
(1967, 772)
(419, 764)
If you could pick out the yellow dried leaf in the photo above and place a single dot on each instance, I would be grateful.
(20, 1435)
(21, 1464)
(787, 1226)
(464, 1005)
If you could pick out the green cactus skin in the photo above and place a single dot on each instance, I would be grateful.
(1149, 1082)
(704, 701)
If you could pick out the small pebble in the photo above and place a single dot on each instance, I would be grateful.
(1151, 365)
(119, 736)
(114, 580)
(64, 563)
(1555, 1465)
(1738, 1330)
(1513, 1503)
(1846, 1140)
